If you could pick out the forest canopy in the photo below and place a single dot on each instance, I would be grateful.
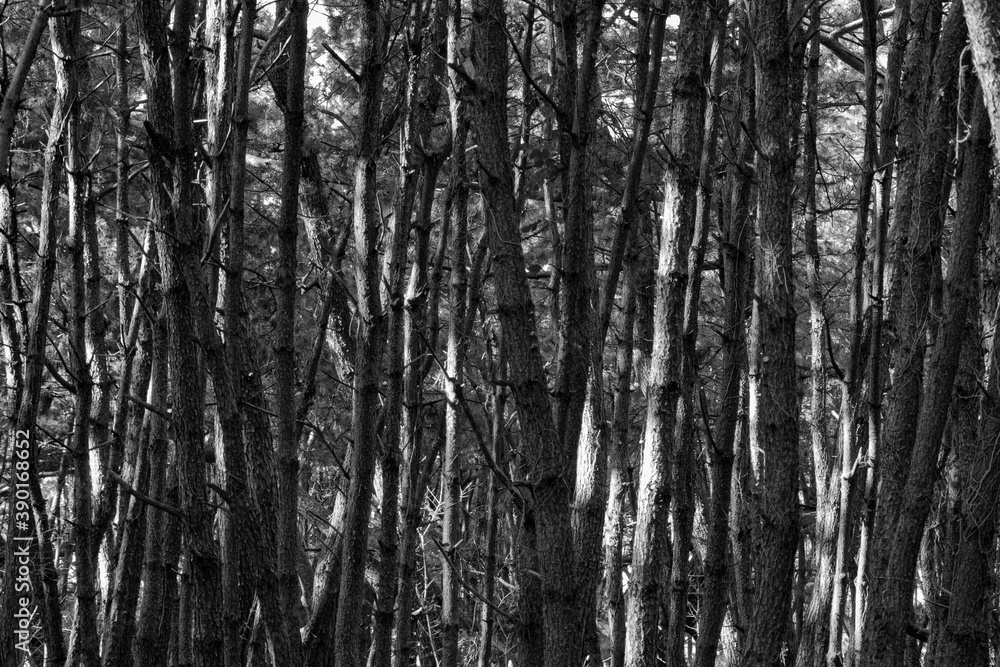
(495, 332)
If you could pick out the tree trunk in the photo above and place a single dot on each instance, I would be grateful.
(677, 227)
(983, 18)
(350, 646)
(883, 630)
(549, 463)
(965, 639)
(451, 465)
(773, 424)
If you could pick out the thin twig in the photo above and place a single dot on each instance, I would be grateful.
(465, 585)
(142, 497)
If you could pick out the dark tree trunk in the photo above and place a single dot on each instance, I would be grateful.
(773, 425)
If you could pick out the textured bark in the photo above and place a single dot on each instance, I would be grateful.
(906, 356)
(983, 18)
(733, 276)
(738, 282)
(881, 202)
(248, 454)
(923, 32)
(145, 432)
(157, 606)
(882, 639)
(580, 356)
(773, 425)
(891, 610)
(37, 528)
(493, 495)
(411, 493)
(549, 459)
(169, 75)
(713, 24)
(851, 408)
(677, 228)
(815, 629)
(370, 343)
(420, 101)
(70, 65)
(617, 471)
(284, 334)
(237, 581)
(624, 259)
(451, 463)
(965, 639)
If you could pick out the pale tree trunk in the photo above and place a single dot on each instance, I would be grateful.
(415, 336)
(838, 502)
(420, 101)
(983, 18)
(677, 228)
(623, 253)
(617, 461)
(451, 466)
(237, 583)
(815, 629)
(773, 425)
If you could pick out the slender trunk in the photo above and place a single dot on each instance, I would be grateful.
(549, 461)
(33, 523)
(815, 630)
(677, 227)
(493, 494)
(65, 33)
(421, 96)
(617, 459)
(350, 644)
(146, 432)
(451, 466)
(891, 610)
(883, 618)
(170, 132)
(684, 445)
(157, 605)
(284, 334)
(414, 337)
(965, 639)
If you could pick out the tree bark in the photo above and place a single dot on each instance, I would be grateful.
(370, 342)
(549, 460)
(773, 424)
(677, 227)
